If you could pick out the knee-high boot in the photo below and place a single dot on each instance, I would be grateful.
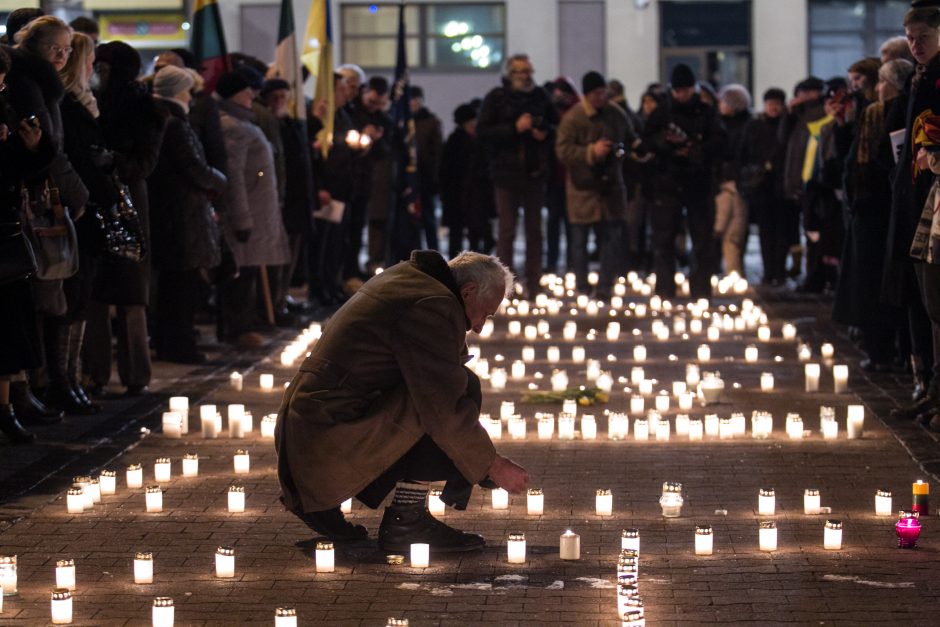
(60, 393)
(74, 364)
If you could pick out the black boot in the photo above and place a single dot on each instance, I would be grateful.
(74, 368)
(12, 428)
(403, 525)
(332, 524)
(30, 409)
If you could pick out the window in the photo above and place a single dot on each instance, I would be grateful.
(466, 36)
(843, 31)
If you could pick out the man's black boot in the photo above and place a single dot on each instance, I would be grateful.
(404, 525)
(30, 409)
(332, 524)
(928, 404)
(11, 427)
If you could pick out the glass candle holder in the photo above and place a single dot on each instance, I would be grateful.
(569, 546)
(641, 429)
(682, 425)
(750, 354)
(840, 378)
(604, 502)
(662, 431)
(515, 548)
(855, 421)
(93, 490)
(162, 469)
(154, 499)
(639, 353)
(507, 409)
(325, 557)
(528, 354)
(517, 427)
(553, 354)
(285, 617)
(811, 501)
(75, 501)
(8, 575)
(61, 606)
(883, 506)
(832, 536)
(225, 562)
(826, 351)
(209, 427)
(766, 502)
(237, 381)
(546, 426)
(396, 622)
(499, 498)
(65, 574)
(268, 423)
(346, 506)
(190, 465)
(172, 425)
(704, 352)
(82, 482)
(588, 427)
(236, 413)
(794, 426)
(535, 502)
(266, 382)
(143, 568)
(767, 536)
(920, 492)
(788, 332)
(908, 529)
(163, 614)
(704, 540)
(671, 500)
(435, 505)
(107, 482)
(712, 425)
(811, 373)
(725, 428)
(763, 333)
(696, 429)
(566, 426)
(630, 540)
(767, 382)
(692, 375)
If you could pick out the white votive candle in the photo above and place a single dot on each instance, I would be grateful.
(546, 426)
(566, 426)
(569, 546)
(154, 499)
(682, 425)
(578, 354)
(325, 557)
(285, 617)
(242, 462)
(630, 540)
(811, 372)
(788, 331)
(696, 429)
(763, 333)
(832, 536)
(143, 568)
(535, 502)
(75, 501)
(225, 562)
(500, 498)
(268, 423)
(750, 354)
(639, 353)
(883, 505)
(236, 413)
(662, 431)
(704, 540)
(515, 548)
(65, 574)
(518, 369)
(766, 502)
(840, 378)
(767, 536)
(61, 607)
(766, 382)
(135, 476)
(107, 482)
(712, 425)
(637, 404)
(236, 499)
(435, 504)
(553, 354)
(498, 379)
(172, 425)
(811, 501)
(346, 506)
(830, 428)
(517, 427)
(163, 614)
(266, 382)
(207, 414)
(855, 421)
(162, 469)
(180, 405)
(826, 351)
(190, 465)
(420, 555)
(604, 503)
(237, 381)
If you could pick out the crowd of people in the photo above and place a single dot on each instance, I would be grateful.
(150, 198)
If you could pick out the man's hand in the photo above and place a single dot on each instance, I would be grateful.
(30, 132)
(539, 135)
(601, 148)
(524, 123)
(508, 475)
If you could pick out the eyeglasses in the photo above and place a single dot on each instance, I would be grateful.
(56, 49)
(3, 87)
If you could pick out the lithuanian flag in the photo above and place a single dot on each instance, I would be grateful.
(317, 56)
(208, 42)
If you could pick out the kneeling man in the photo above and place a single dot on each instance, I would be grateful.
(385, 401)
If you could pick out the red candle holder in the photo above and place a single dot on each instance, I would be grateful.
(908, 529)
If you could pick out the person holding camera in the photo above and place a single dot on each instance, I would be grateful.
(592, 140)
(516, 124)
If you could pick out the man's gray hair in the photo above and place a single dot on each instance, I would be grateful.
(896, 72)
(348, 69)
(488, 272)
(896, 48)
(520, 56)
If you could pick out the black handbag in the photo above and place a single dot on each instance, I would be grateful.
(17, 260)
(119, 226)
(51, 233)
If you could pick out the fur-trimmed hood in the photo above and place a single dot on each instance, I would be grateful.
(39, 70)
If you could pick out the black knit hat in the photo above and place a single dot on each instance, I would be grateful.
(682, 76)
(123, 59)
(464, 113)
(775, 93)
(591, 81)
(230, 84)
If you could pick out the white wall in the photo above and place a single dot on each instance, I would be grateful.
(780, 45)
(633, 46)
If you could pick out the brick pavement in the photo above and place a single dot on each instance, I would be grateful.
(868, 581)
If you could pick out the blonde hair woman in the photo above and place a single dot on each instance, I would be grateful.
(76, 73)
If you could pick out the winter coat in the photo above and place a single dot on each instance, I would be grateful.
(595, 191)
(430, 142)
(35, 89)
(729, 166)
(466, 189)
(270, 125)
(183, 230)
(794, 134)
(335, 173)
(299, 195)
(387, 371)
(704, 144)
(907, 194)
(133, 130)
(251, 201)
(512, 156)
(761, 156)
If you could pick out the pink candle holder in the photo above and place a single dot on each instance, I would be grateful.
(908, 529)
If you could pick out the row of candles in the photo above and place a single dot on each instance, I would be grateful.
(654, 425)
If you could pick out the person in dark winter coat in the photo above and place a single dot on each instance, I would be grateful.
(516, 124)
(868, 199)
(466, 189)
(133, 130)
(731, 223)
(760, 183)
(565, 95)
(429, 139)
(185, 236)
(25, 156)
(687, 138)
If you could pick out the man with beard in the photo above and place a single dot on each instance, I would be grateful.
(516, 123)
